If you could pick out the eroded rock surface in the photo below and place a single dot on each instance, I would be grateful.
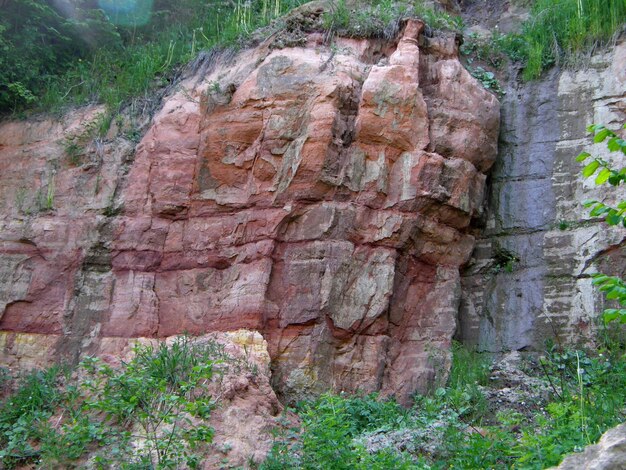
(321, 197)
(529, 279)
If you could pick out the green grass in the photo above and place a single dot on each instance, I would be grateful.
(560, 31)
(468, 367)
(138, 62)
(112, 77)
(380, 18)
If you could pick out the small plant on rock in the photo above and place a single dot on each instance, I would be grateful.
(488, 80)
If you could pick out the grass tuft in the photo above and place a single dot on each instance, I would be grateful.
(563, 31)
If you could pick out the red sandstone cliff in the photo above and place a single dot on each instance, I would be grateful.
(319, 196)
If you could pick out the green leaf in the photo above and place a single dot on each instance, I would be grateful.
(613, 144)
(583, 156)
(614, 179)
(603, 176)
(591, 168)
(605, 284)
(612, 294)
(613, 218)
(601, 135)
(599, 279)
(600, 209)
(610, 315)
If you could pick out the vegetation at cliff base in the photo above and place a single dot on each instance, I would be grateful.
(474, 422)
(149, 412)
(152, 411)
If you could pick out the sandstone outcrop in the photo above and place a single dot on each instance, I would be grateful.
(319, 196)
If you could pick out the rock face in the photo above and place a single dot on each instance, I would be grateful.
(608, 454)
(528, 280)
(321, 197)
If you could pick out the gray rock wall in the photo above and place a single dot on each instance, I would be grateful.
(528, 279)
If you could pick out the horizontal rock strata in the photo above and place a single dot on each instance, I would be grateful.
(536, 220)
(320, 196)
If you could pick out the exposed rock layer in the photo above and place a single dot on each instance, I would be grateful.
(321, 197)
(529, 279)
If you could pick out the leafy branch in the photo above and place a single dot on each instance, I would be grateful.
(613, 287)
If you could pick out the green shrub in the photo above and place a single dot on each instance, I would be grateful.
(160, 390)
(160, 398)
(330, 427)
(24, 416)
(589, 399)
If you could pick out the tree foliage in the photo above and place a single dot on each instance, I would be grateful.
(37, 42)
(59, 52)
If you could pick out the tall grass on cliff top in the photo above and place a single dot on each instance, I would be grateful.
(560, 31)
(55, 53)
(58, 53)
(146, 62)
